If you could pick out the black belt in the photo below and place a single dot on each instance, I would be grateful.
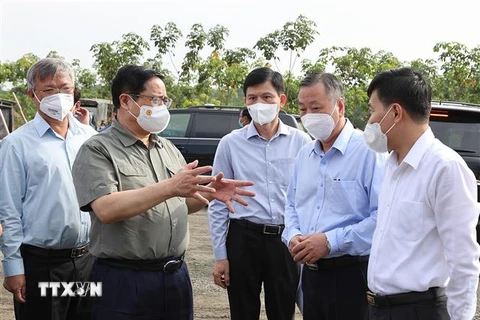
(404, 298)
(268, 229)
(167, 265)
(335, 263)
(55, 253)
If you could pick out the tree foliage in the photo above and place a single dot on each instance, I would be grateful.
(294, 37)
(212, 72)
(110, 56)
(461, 71)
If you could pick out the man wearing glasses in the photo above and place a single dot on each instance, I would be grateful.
(45, 234)
(139, 191)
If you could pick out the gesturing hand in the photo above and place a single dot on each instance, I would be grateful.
(189, 181)
(228, 189)
(83, 115)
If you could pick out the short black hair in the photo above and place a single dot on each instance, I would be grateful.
(332, 85)
(77, 95)
(245, 113)
(407, 87)
(131, 79)
(262, 75)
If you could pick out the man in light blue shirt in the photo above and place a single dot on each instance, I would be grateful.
(247, 245)
(45, 234)
(331, 205)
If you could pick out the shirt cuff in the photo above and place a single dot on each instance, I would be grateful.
(332, 239)
(13, 267)
(220, 253)
(292, 233)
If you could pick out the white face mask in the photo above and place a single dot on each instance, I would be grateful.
(374, 137)
(152, 119)
(263, 113)
(56, 106)
(319, 125)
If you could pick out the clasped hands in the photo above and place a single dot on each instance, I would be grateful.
(308, 249)
(190, 182)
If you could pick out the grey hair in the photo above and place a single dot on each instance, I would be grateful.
(47, 67)
(332, 85)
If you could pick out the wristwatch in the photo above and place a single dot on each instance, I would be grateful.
(329, 247)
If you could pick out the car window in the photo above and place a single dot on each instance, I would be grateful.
(458, 130)
(288, 119)
(178, 125)
(212, 125)
(234, 122)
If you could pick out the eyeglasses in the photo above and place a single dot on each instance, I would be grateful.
(52, 91)
(156, 100)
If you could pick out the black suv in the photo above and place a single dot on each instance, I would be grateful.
(196, 131)
(458, 126)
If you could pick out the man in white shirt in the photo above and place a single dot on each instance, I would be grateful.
(424, 261)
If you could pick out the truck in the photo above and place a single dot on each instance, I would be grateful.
(7, 109)
(100, 110)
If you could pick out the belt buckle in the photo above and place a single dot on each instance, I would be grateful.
(371, 298)
(312, 266)
(78, 252)
(172, 265)
(266, 226)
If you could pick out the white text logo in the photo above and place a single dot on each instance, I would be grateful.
(71, 289)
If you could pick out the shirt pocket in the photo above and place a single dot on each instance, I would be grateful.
(131, 177)
(282, 170)
(407, 221)
(343, 198)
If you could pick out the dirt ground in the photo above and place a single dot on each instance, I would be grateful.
(210, 301)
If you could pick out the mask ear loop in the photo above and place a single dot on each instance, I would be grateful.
(334, 108)
(385, 115)
(36, 96)
(128, 109)
(393, 125)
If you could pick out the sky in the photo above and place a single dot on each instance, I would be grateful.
(408, 29)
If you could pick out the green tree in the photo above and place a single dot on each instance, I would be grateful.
(429, 69)
(54, 54)
(294, 37)
(217, 78)
(196, 40)
(14, 75)
(87, 81)
(461, 72)
(109, 57)
(165, 40)
(355, 68)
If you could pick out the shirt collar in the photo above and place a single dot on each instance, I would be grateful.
(127, 138)
(73, 124)
(341, 143)
(415, 155)
(42, 126)
(282, 129)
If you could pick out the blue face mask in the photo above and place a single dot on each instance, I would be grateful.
(240, 123)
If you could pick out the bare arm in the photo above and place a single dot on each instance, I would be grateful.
(188, 182)
(225, 190)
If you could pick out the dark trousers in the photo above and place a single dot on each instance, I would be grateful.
(50, 269)
(435, 309)
(142, 295)
(257, 258)
(335, 293)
